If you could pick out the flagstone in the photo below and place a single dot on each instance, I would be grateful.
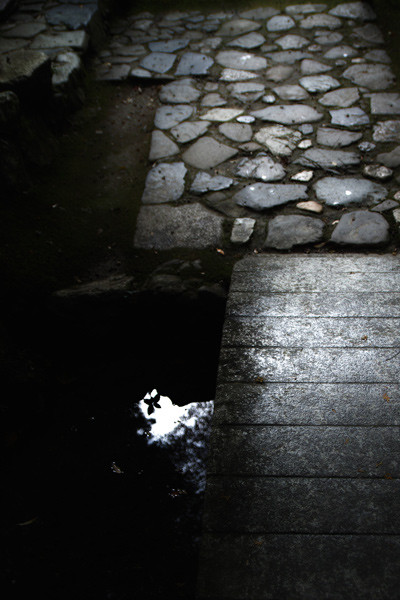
(370, 33)
(189, 131)
(328, 38)
(262, 167)
(299, 9)
(288, 114)
(386, 131)
(310, 205)
(207, 152)
(164, 183)
(292, 42)
(312, 67)
(182, 91)
(343, 97)
(140, 74)
(288, 56)
(238, 26)
(168, 45)
(213, 99)
(161, 146)
(386, 205)
(340, 52)
(385, 104)
(291, 92)
(286, 231)
(280, 23)
(245, 119)
(249, 41)
(194, 63)
(246, 92)
(350, 190)
(328, 159)
(159, 62)
(279, 73)
(320, 20)
(366, 146)
(243, 60)
(237, 75)
(237, 132)
(204, 183)
(390, 159)
(280, 140)
(303, 176)
(380, 56)
(337, 138)
(242, 230)
(259, 13)
(221, 114)
(261, 196)
(379, 172)
(372, 76)
(319, 83)
(168, 116)
(349, 117)
(361, 228)
(354, 10)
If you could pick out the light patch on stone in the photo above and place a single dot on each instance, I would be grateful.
(237, 75)
(221, 114)
(242, 230)
(378, 172)
(319, 83)
(310, 206)
(234, 59)
(303, 176)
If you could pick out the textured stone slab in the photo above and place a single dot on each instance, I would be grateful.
(349, 117)
(320, 20)
(349, 190)
(247, 91)
(261, 196)
(380, 56)
(79, 40)
(234, 59)
(291, 92)
(221, 114)
(361, 228)
(74, 17)
(169, 116)
(337, 138)
(386, 131)
(283, 563)
(24, 68)
(288, 114)
(242, 230)
(371, 76)
(319, 83)
(313, 67)
(291, 505)
(194, 63)
(207, 153)
(238, 27)
(237, 75)
(248, 41)
(377, 171)
(280, 140)
(386, 205)
(304, 9)
(390, 159)
(385, 104)
(183, 91)
(370, 33)
(280, 23)
(24, 30)
(189, 131)
(161, 146)
(237, 132)
(264, 12)
(204, 183)
(292, 42)
(342, 51)
(354, 10)
(288, 56)
(262, 167)
(187, 226)
(164, 183)
(328, 159)
(168, 45)
(328, 38)
(343, 97)
(159, 62)
(286, 231)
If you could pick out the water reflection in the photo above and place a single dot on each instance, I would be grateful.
(183, 430)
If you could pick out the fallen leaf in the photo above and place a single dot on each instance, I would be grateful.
(379, 464)
(364, 337)
(259, 379)
(347, 441)
(116, 469)
(220, 251)
(388, 476)
(386, 397)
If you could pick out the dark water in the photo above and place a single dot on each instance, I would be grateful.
(94, 505)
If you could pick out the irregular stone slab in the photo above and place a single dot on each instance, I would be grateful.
(343, 192)
(204, 183)
(213, 99)
(279, 73)
(378, 172)
(207, 153)
(288, 114)
(354, 10)
(336, 138)
(237, 75)
(167, 227)
(349, 117)
(182, 91)
(9, 45)
(374, 77)
(169, 116)
(234, 59)
(238, 26)
(168, 45)
(259, 13)
(261, 196)
(390, 159)
(161, 146)
(361, 228)
(246, 92)
(288, 56)
(189, 131)
(292, 42)
(312, 67)
(284, 232)
(25, 68)
(386, 131)
(221, 114)
(159, 62)
(340, 52)
(385, 104)
(242, 230)
(291, 92)
(319, 83)
(24, 30)
(303, 9)
(114, 73)
(305, 144)
(380, 56)
(386, 205)
(320, 20)
(74, 17)
(328, 159)
(343, 97)
(78, 40)
(194, 63)
(248, 41)
(303, 176)
(280, 140)
(327, 39)
(245, 119)
(280, 23)
(140, 74)
(164, 183)
(370, 33)
(366, 146)
(237, 132)
(262, 167)
(310, 206)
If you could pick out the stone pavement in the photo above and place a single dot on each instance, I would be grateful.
(302, 498)
(274, 129)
